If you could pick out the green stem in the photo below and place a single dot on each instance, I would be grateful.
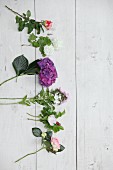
(8, 103)
(14, 12)
(10, 98)
(31, 115)
(29, 154)
(26, 45)
(13, 98)
(8, 80)
(33, 119)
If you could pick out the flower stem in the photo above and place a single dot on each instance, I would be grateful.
(10, 79)
(10, 98)
(8, 103)
(31, 115)
(14, 11)
(7, 80)
(29, 154)
(33, 119)
(26, 45)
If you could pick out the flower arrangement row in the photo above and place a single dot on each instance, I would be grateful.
(47, 75)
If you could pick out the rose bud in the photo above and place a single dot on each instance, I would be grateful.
(48, 24)
(57, 123)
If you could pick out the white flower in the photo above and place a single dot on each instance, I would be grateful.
(48, 50)
(52, 120)
(43, 134)
(57, 44)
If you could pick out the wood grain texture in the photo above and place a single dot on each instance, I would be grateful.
(62, 14)
(95, 84)
(16, 137)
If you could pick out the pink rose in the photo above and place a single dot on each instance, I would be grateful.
(48, 24)
(55, 144)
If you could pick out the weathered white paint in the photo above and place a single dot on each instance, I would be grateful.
(15, 130)
(95, 84)
(62, 13)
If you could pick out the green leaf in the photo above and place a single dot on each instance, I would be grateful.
(33, 68)
(47, 144)
(42, 92)
(24, 14)
(18, 19)
(61, 148)
(57, 128)
(60, 114)
(36, 132)
(20, 64)
(49, 135)
(32, 37)
(25, 101)
(35, 44)
(37, 26)
(21, 25)
(28, 13)
(41, 49)
(30, 27)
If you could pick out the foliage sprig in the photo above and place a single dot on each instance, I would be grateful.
(24, 21)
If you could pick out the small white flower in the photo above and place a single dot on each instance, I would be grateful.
(48, 50)
(43, 134)
(57, 44)
(52, 120)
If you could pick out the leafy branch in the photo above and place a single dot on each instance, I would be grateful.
(24, 21)
(47, 98)
(40, 42)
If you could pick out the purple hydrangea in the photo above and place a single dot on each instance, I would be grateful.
(48, 73)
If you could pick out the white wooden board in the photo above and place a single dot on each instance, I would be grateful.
(15, 130)
(94, 22)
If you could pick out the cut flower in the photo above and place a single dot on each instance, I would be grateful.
(55, 144)
(48, 24)
(48, 73)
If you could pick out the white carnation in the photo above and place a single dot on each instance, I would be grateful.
(48, 50)
(57, 44)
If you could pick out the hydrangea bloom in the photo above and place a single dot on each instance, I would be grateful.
(48, 73)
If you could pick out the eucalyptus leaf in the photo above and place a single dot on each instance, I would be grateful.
(28, 13)
(20, 64)
(36, 132)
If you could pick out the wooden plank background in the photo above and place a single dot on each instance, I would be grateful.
(16, 138)
(88, 134)
(94, 49)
